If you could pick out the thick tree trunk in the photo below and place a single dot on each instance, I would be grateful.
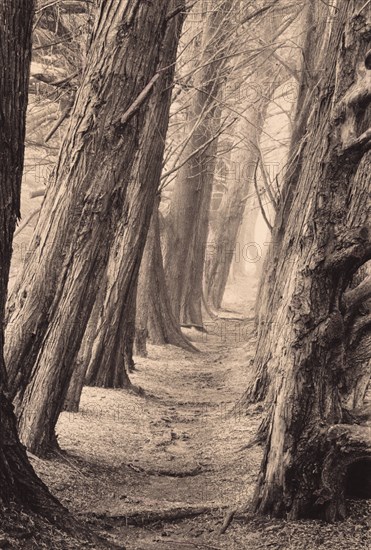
(110, 349)
(19, 484)
(53, 298)
(155, 319)
(73, 396)
(270, 292)
(188, 217)
(113, 345)
(310, 447)
(358, 344)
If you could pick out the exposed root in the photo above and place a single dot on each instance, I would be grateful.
(147, 517)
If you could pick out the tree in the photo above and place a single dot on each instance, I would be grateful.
(55, 293)
(311, 442)
(187, 220)
(223, 236)
(154, 317)
(18, 482)
(113, 344)
(209, 116)
(264, 79)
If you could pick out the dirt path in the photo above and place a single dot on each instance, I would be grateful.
(173, 448)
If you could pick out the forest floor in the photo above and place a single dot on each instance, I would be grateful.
(162, 470)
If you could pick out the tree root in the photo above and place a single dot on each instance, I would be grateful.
(147, 517)
(169, 473)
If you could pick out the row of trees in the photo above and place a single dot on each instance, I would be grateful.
(151, 113)
(103, 190)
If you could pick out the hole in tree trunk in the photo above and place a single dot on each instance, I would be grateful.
(358, 479)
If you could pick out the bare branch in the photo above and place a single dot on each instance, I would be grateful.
(259, 198)
(26, 221)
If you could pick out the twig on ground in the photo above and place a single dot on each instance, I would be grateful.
(227, 521)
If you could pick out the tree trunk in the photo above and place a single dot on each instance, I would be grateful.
(113, 345)
(143, 290)
(162, 326)
(358, 344)
(110, 349)
(19, 484)
(270, 292)
(53, 298)
(154, 314)
(188, 217)
(223, 246)
(246, 234)
(310, 446)
(72, 400)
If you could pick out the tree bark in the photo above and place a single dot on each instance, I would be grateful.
(310, 446)
(357, 304)
(72, 400)
(143, 289)
(270, 292)
(53, 298)
(19, 485)
(110, 349)
(162, 326)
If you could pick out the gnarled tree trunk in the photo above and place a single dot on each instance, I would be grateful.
(270, 292)
(310, 445)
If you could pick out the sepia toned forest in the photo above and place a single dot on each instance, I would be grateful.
(185, 274)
